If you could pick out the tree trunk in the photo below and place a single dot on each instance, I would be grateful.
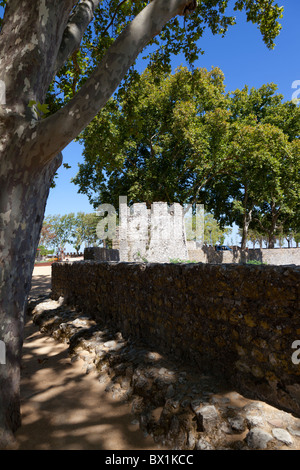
(275, 215)
(22, 203)
(36, 40)
(246, 222)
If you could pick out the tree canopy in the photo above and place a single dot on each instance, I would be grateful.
(101, 23)
(179, 137)
(157, 140)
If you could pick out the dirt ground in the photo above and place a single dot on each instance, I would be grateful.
(62, 407)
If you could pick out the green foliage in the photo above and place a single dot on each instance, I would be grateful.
(43, 250)
(59, 226)
(180, 138)
(180, 35)
(142, 258)
(159, 139)
(255, 262)
(58, 230)
(265, 14)
(40, 109)
(181, 261)
(84, 230)
(213, 233)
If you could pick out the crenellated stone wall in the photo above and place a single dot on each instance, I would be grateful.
(238, 320)
(152, 235)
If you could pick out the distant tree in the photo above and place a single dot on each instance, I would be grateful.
(72, 229)
(47, 234)
(263, 185)
(61, 227)
(213, 233)
(297, 238)
(84, 230)
(254, 236)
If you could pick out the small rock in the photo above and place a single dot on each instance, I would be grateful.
(294, 431)
(170, 391)
(191, 440)
(202, 444)
(258, 439)
(282, 435)
(237, 424)
(103, 378)
(225, 427)
(172, 404)
(220, 400)
(174, 425)
(208, 413)
(125, 382)
(80, 322)
(140, 383)
(110, 344)
(207, 417)
(254, 421)
(275, 422)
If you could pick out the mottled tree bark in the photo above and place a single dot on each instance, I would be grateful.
(22, 204)
(36, 39)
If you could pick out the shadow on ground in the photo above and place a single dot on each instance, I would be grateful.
(41, 285)
(62, 407)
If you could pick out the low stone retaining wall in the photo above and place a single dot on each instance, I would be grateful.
(237, 320)
(275, 256)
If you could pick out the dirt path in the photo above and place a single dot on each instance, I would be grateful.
(62, 407)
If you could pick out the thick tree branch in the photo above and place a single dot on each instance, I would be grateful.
(54, 133)
(76, 27)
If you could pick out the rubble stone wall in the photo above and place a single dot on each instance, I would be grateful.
(101, 254)
(238, 320)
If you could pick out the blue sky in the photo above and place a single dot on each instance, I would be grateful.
(244, 59)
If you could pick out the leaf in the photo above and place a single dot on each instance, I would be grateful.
(43, 108)
(31, 103)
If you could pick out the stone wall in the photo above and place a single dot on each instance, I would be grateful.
(237, 320)
(96, 253)
(276, 256)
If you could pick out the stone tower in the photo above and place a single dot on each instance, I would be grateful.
(152, 235)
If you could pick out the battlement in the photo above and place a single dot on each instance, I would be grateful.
(154, 235)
